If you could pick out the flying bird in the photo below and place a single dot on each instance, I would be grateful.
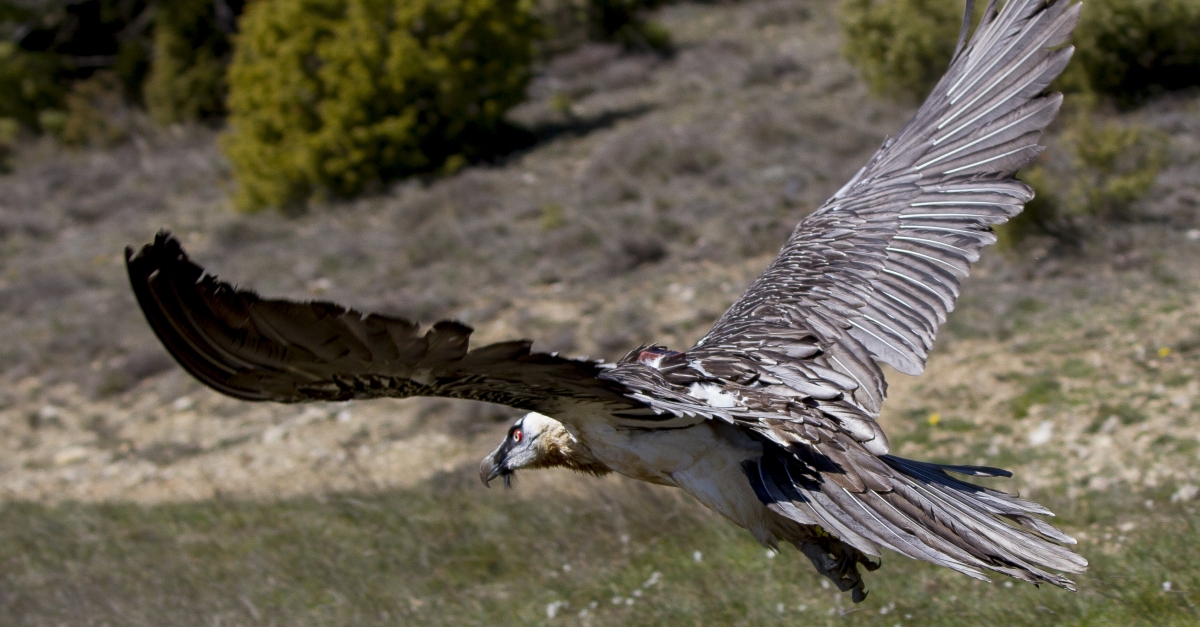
(771, 418)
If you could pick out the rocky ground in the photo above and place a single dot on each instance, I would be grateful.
(660, 188)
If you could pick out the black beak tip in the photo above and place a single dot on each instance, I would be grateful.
(489, 471)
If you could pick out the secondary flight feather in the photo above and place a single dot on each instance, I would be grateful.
(770, 419)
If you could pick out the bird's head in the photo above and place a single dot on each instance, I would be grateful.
(537, 441)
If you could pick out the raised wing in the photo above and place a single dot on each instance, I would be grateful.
(868, 278)
(274, 350)
(871, 275)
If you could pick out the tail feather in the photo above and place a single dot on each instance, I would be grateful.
(925, 514)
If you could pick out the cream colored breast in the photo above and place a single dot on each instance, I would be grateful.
(704, 460)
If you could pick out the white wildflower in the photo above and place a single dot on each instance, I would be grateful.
(1042, 434)
(1185, 492)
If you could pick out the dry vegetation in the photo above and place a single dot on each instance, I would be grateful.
(660, 186)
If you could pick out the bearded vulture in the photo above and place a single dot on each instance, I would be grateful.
(770, 419)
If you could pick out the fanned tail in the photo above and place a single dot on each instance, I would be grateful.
(916, 509)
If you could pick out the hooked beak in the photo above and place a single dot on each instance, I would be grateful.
(488, 470)
(493, 466)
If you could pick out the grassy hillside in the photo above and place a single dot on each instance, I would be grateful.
(130, 495)
(614, 554)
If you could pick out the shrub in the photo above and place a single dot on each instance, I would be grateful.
(1131, 49)
(27, 84)
(902, 47)
(58, 43)
(1096, 175)
(572, 22)
(81, 37)
(1126, 49)
(624, 22)
(191, 50)
(91, 113)
(50, 48)
(329, 96)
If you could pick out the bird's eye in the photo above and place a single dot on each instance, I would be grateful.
(517, 435)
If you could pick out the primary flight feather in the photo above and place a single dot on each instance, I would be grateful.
(771, 418)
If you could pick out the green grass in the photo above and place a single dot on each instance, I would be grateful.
(451, 553)
(1042, 389)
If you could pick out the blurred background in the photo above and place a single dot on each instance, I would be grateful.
(591, 174)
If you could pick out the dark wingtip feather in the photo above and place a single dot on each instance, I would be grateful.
(160, 275)
(260, 349)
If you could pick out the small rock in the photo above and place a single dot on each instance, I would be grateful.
(70, 455)
(273, 435)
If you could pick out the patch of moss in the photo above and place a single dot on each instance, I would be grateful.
(553, 216)
(1039, 390)
(1077, 369)
(1126, 414)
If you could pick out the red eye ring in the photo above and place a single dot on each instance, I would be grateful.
(517, 435)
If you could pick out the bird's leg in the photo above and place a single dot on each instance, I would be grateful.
(839, 562)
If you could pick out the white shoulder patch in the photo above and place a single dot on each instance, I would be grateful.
(713, 395)
(534, 422)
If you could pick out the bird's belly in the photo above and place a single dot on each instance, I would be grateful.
(704, 460)
(649, 455)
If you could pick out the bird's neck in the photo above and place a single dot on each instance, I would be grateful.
(560, 449)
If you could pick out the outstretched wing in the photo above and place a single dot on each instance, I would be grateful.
(867, 279)
(275, 350)
(871, 275)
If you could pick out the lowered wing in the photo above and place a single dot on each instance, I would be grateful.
(275, 350)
